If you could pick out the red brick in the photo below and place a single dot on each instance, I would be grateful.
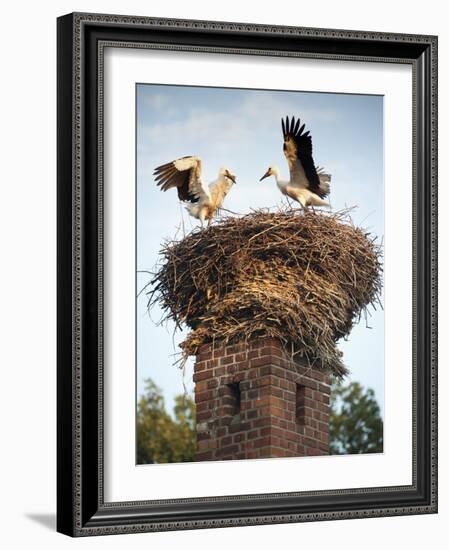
(278, 371)
(292, 426)
(317, 375)
(204, 395)
(309, 441)
(204, 352)
(205, 375)
(313, 452)
(229, 450)
(201, 386)
(258, 422)
(268, 351)
(253, 434)
(200, 365)
(266, 452)
(276, 452)
(311, 384)
(203, 416)
(323, 407)
(287, 385)
(264, 411)
(279, 362)
(226, 410)
(239, 427)
(203, 444)
(201, 407)
(291, 436)
(227, 400)
(277, 392)
(266, 425)
(308, 402)
(323, 427)
(227, 360)
(259, 362)
(263, 442)
(262, 371)
(250, 454)
(276, 402)
(324, 388)
(205, 456)
(223, 421)
(218, 352)
(262, 402)
(236, 348)
(275, 431)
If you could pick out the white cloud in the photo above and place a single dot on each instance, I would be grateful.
(157, 102)
(225, 136)
(256, 116)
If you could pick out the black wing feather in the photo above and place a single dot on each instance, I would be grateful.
(293, 133)
(167, 176)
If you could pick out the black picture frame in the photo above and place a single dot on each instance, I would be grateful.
(81, 509)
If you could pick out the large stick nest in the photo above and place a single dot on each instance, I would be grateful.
(302, 278)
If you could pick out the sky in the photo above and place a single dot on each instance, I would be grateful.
(241, 129)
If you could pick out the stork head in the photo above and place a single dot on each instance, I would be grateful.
(272, 171)
(227, 175)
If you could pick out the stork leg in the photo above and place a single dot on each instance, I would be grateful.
(303, 206)
(202, 217)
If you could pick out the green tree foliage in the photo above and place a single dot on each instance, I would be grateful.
(160, 437)
(356, 426)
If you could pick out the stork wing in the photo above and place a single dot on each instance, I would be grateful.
(185, 175)
(325, 180)
(298, 152)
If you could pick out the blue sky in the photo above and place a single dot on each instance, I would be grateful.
(242, 130)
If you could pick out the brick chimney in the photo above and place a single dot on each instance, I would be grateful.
(254, 401)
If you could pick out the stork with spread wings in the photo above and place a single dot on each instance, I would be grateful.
(308, 185)
(185, 174)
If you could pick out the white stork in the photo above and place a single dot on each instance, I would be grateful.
(308, 185)
(202, 200)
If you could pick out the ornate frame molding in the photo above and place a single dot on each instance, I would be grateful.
(81, 41)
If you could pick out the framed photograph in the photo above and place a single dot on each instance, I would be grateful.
(247, 278)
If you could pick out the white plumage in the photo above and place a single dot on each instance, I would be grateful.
(202, 200)
(308, 185)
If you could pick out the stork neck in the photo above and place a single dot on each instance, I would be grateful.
(276, 175)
